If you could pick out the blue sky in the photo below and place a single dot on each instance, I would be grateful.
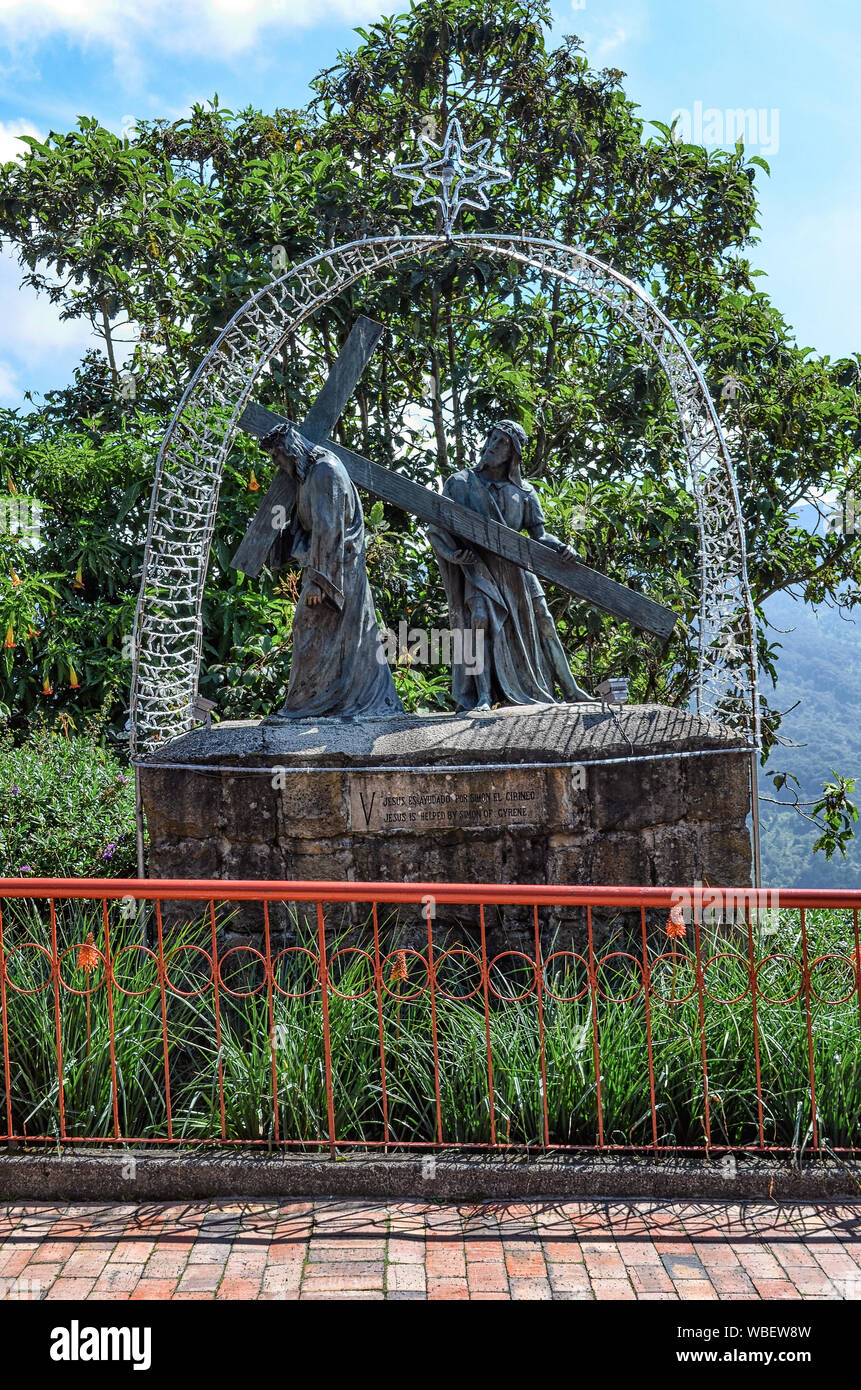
(795, 63)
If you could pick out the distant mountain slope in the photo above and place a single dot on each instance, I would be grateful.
(820, 666)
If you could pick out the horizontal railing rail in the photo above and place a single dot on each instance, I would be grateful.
(325, 890)
(323, 1015)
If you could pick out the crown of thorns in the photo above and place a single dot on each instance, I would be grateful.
(516, 433)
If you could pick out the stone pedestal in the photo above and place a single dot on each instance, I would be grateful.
(551, 794)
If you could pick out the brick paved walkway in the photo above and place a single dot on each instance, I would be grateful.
(415, 1250)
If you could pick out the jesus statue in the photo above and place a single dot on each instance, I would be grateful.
(523, 658)
(338, 668)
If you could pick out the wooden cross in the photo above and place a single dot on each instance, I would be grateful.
(432, 507)
(316, 427)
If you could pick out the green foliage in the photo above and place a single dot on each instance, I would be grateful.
(68, 595)
(66, 809)
(838, 813)
(69, 598)
(833, 813)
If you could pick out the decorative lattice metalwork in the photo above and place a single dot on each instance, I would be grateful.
(182, 514)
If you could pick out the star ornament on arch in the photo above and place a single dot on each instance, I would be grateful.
(459, 167)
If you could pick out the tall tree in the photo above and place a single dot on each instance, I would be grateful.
(173, 229)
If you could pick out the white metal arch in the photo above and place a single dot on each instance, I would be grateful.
(168, 630)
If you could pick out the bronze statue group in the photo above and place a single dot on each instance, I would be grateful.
(338, 668)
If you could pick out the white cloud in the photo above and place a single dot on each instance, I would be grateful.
(606, 34)
(40, 350)
(31, 323)
(10, 145)
(611, 42)
(225, 25)
(11, 390)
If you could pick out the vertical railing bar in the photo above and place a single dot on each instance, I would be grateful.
(7, 1065)
(807, 1011)
(647, 984)
(217, 1004)
(434, 1038)
(485, 977)
(327, 1039)
(596, 1042)
(378, 979)
(162, 978)
(753, 968)
(109, 981)
(702, 1013)
(55, 973)
(539, 986)
(270, 1005)
(857, 960)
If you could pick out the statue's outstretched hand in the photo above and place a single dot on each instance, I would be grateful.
(313, 595)
(462, 557)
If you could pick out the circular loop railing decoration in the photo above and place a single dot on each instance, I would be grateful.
(674, 959)
(241, 993)
(439, 962)
(296, 951)
(351, 951)
(622, 998)
(740, 960)
(175, 989)
(92, 985)
(565, 998)
(146, 952)
(850, 969)
(512, 998)
(394, 968)
(386, 972)
(17, 950)
(771, 961)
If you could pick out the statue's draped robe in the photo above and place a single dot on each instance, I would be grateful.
(338, 666)
(520, 671)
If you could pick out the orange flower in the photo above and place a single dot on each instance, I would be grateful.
(297, 147)
(47, 688)
(79, 579)
(16, 580)
(399, 969)
(675, 927)
(253, 485)
(10, 636)
(88, 956)
(74, 683)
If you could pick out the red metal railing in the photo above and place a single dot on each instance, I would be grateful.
(637, 1032)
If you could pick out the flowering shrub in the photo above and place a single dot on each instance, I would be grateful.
(66, 808)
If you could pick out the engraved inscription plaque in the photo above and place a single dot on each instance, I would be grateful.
(394, 800)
